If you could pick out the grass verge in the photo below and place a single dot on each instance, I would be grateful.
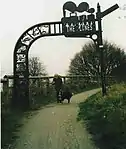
(105, 117)
(11, 121)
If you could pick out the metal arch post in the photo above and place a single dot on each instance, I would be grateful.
(101, 50)
(21, 84)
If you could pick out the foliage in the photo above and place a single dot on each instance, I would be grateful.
(81, 85)
(87, 62)
(120, 72)
(10, 123)
(41, 95)
(36, 67)
(106, 117)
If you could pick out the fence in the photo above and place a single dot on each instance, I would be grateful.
(37, 88)
(40, 86)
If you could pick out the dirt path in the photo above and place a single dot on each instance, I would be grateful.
(55, 127)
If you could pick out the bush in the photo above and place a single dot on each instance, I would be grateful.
(78, 86)
(106, 117)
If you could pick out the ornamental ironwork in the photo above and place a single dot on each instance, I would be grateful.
(87, 24)
(79, 26)
(21, 72)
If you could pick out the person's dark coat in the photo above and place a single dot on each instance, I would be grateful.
(57, 82)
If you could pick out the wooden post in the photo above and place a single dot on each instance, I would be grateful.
(5, 101)
(6, 88)
(39, 86)
(64, 80)
(47, 86)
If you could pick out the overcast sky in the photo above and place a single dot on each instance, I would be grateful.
(55, 52)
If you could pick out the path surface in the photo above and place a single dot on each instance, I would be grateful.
(55, 127)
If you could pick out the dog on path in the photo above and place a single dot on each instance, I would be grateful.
(65, 94)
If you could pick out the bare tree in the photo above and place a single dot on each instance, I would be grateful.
(87, 61)
(36, 67)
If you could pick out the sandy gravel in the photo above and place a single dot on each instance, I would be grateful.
(55, 127)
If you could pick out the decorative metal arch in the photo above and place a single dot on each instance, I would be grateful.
(21, 71)
(73, 26)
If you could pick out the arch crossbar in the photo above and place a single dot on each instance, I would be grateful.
(21, 84)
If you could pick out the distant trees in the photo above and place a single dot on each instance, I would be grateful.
(120, 71)
(36, 67)
(87, 61)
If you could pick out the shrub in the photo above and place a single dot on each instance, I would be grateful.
(106, 117)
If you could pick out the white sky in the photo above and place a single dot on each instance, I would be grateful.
(18, 15)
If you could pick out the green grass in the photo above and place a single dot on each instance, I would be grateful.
(10, 123)
(105, 117)
(42, 101)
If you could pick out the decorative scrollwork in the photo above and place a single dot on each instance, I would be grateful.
(21, 58)
(32, 34)
(20, 67)
(44, 29)
(26, 39)
(35, 32)
(24, 43)
(22, 49)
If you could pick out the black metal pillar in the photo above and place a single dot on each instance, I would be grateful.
(101, 50)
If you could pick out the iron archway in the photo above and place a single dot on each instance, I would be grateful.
(21, 71)
(73, 26)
